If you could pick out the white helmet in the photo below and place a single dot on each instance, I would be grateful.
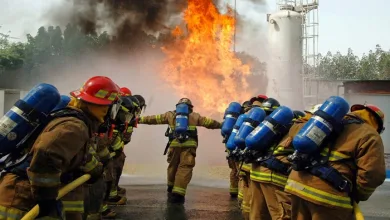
(313, 109)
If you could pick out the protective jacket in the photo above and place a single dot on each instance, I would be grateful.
(58, 156)
(194, 120)
(358, 154)
(61, 153)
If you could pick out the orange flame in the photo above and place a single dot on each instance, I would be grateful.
(200, 64)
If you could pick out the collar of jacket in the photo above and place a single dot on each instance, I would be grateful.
(93, 124)
(366, 116)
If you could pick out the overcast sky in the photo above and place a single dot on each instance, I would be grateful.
(359, 24)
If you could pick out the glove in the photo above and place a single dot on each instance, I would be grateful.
(50, 208)
(96, 173)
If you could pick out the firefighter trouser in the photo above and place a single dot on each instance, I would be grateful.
(119, 162)
(247, 195)
(93, 200)
(181, 163)
(73, 204)
(305, 210)
(240, 196)
(269, 201)
(233, 177)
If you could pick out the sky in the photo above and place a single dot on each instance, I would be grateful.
(344, 24)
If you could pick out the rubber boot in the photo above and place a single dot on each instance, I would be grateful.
(176, 198)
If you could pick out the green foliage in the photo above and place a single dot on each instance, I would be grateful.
(372, 66)
(11, 54)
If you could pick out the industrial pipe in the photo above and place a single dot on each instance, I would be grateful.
(33, 213)
(358, 213)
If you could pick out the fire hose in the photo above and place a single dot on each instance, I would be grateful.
(358, 213)
(33, 213)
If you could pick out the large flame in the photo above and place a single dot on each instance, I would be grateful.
(200, 64)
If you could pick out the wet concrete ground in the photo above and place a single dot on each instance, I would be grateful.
(149, 202)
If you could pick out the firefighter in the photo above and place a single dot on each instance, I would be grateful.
(269, 200)
(135, 107)
(59, 155)
(355, 166)
(245, 169)
(181, 150)
(94, 195)
(245, 107)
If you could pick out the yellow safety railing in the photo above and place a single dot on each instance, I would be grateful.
(358, 212)
(33, 213)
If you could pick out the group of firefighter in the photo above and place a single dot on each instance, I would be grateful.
(281, 182)
(87, 136)
(83, 134)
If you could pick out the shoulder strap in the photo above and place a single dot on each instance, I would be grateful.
(68, 112)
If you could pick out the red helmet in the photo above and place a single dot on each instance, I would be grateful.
(259, 98)
(378, 113)
(125, 91)
(99, 90)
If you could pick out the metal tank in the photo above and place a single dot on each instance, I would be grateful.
(375, 92)
(285, 57)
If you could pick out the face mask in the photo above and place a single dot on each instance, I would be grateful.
(98, 111)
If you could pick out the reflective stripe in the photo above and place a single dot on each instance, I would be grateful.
(129, 129)
(11, 213)
(240, 195)
(365, 190)
(191, 128)
(282, 151)
(91, 150)
(246, 167)
(73, 206)
(179, 190)
(207, 122)
(90, 165)
(44, 180)
(118, 144)
(104, 153)
(334, 155)
(233, 190)
(318, 195)
(113, 192)
(104, 207)
(158, 119)
(279, 179)
(101, 93)
(245, 206)
(188, 143)
(260, 176)
(242, 173)
(112, 96)
(112, 154)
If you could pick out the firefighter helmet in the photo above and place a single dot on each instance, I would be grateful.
(99, 90)
(125, 91)
(186, 101)
(313, 109)
(141, 101)
(259, 98)
(376, 111)
(298, 114)
(269, 105)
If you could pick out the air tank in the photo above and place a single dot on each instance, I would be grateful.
(285, 54)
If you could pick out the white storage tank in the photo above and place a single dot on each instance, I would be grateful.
(285, 58)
